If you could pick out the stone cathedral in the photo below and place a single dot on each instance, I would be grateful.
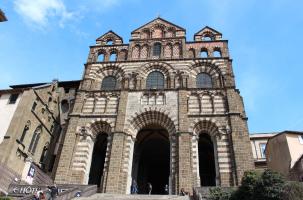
(159, 109)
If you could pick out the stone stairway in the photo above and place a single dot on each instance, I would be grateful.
(100, 196)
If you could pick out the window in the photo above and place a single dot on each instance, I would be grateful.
(49, 100)
(25, 129)
(101, 57)
(13, 98)
(34, 106)
(217, 53)
(262, 150)
(203, 54)
(301, 139)
(113, 57)
(204, 81)
(109, 83)
(35, 140)
(64, 106)
(157, 49)
(155, 80)
(109, 42)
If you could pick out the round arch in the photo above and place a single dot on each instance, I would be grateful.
(153, 150)
(210, 68)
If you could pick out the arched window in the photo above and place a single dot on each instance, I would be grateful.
(155, 80)
(203, 53)
(109, 42)
(217, 53)
(109, 83)
(35, 140)
(157, 49)
(64, 106)
(204, 81)
(101, 57)
(113, 56)
(207, 37)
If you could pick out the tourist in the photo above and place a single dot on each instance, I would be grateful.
(166, 189)
(134, 187)
(53, 192)
(149, 188)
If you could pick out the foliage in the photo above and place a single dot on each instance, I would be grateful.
(255, 186)
(293, 191)
(5, 198)
(218, 193)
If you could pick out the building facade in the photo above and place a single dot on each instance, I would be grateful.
(159, 109)
(33, 122)
(284, 154)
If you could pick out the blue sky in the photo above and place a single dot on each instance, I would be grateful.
(47, 39)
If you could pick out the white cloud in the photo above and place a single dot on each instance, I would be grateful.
(39, 12)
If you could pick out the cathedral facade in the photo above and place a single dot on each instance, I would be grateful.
(159, 110)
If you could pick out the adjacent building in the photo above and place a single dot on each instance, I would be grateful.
(258, 143)
(33, 119)
(284, 153)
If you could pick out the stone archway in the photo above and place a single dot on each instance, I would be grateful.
(154, 151)
(98, 159)
(151, 160)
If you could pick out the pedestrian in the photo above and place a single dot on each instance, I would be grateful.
(134, 187)
(166, 189)
(149, 188)
(53, 192)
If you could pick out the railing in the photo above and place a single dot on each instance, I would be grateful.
(83, 190)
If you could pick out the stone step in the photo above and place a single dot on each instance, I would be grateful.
(133, 197)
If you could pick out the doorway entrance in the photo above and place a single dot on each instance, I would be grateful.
(151, 162)
(98, 159)
(207, 167)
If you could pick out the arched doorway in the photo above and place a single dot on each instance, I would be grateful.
(98, 160)
(207, 167)
(151, 161)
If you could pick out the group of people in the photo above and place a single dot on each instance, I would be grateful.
(50, 194)
(134, 187)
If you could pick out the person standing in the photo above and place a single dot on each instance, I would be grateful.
(53, 192)
(149, 188)
(166, 189)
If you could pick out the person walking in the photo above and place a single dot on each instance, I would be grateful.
(134, 187)
(149, 188)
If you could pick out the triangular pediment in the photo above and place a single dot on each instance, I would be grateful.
(208, 32)
(159, 22)
(110, 36)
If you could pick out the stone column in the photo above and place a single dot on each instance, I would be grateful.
(117, 177)
(185, 168)
(185, 161)
(64, 171)
(118, 169)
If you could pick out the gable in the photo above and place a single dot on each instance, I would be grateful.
(207, 32)
(159, 24)
(109, 36)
